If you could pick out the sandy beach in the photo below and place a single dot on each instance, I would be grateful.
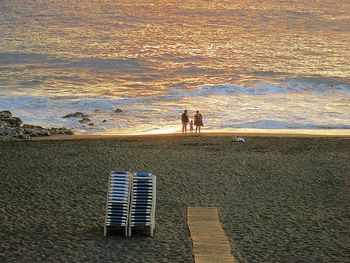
(280, 199)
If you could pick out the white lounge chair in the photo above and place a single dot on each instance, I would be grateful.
(143, 202)
(118, 201)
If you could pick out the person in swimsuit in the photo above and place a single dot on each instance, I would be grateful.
(198, 121)
(191, 126)
(184, 120)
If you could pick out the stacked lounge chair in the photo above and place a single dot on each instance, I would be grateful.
(131, 201)
(118, 198)
(143, 201)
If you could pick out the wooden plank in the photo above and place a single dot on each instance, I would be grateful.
(209, 241)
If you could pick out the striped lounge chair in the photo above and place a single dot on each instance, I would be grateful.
(118, 198)
(143, 202)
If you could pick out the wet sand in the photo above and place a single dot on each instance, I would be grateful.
(280, 199)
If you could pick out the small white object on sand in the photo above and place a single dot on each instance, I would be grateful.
(239, 139)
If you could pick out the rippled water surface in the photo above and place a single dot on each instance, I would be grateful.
(243, 64)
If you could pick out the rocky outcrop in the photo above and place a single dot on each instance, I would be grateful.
(84, 117)
(77, 114)
(7, 119)
(35, 131)
(8, 133)
(10, 128)
(118, 110)
(85, 120)
(5, 114)
(61, 131)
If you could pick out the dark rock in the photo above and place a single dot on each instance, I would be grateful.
(11, 133)
(5, 114)
(61, 131)
(10, 129)
(29, 130)
(96, 110)
(91, 124)
(24, 137)
(85, 120)
(3, 124)
(55, 131)
(76, 115)
(67, 131)
(28, 126)
(38, 132)
(118, 110)
(4, 131)
(34, 131)
(14, 121)
(104, 121)
(7, 119)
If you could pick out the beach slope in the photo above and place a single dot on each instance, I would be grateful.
(279, 199)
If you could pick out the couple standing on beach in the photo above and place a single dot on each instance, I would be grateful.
(198, 122)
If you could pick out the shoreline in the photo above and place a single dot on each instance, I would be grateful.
(204, 134)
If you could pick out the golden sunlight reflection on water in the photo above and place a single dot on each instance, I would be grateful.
(134, 53)
(225, 37)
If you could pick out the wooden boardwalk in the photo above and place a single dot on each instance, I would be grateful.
(210, 244)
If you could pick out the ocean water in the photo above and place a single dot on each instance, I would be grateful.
(244, 64)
